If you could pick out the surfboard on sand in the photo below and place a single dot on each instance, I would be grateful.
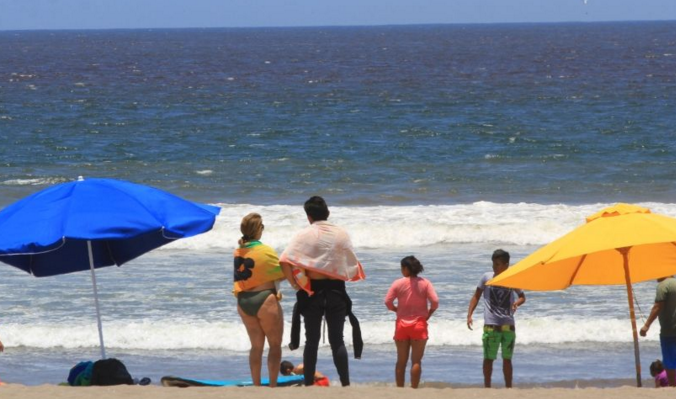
(282, 381)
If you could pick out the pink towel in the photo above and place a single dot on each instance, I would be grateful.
(323, 248)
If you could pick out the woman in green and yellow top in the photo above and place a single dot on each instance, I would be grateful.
(257, 270)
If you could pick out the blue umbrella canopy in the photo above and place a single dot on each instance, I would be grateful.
(46, 234)
(92, 223)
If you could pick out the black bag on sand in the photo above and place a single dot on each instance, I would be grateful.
(110, 372)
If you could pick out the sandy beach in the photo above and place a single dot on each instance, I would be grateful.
(371, 392)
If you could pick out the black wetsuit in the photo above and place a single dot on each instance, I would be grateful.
(330, 300)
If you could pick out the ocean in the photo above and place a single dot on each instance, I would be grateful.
(441, 141)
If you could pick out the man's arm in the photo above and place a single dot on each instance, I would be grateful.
(288, 273)
(654, 312)
(472, 305)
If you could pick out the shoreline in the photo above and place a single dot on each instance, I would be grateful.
(607, 383)
(600, 383)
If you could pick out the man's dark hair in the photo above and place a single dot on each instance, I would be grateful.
(502, 255)
(413, 265)
(316, 208)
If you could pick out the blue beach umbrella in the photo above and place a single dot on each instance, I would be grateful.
(92, 223)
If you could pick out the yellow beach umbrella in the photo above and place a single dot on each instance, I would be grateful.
(619, 245)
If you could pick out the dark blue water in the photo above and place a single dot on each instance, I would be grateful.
(547, 113)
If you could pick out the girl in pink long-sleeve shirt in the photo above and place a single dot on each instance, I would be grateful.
(412, 294)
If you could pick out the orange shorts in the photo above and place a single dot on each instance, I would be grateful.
(410, 330)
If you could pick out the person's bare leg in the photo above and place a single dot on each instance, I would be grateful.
(507, 371)
(272, 322)
(417, 353)
(671, 376)
(403, 348)
(257, 338)
(488, 372)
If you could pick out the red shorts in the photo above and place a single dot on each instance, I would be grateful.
(322, 382)
(406, 330)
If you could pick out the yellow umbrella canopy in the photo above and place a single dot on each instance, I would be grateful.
(590, 254)
(622, 244)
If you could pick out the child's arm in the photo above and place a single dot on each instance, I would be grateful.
(519, 301)
(433, 298)
(472, 305)
(391, 296)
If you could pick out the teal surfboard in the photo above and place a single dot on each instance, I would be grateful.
(282, 381)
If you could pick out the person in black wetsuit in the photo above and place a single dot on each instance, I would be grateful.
(329, 298)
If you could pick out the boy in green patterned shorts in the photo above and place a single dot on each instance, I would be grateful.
(499, 308)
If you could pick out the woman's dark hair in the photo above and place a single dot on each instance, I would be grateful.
(413, 265)
(656, 367)
(286, 367)
(316, 208)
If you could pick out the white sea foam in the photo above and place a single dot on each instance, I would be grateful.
(34, 182)
(394, 227)
(547, 330)
(232, 336)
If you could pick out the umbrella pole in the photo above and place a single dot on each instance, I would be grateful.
(630, 296)
(96, 299)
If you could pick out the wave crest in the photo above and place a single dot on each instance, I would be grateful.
(375, 227)
(157, 335)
